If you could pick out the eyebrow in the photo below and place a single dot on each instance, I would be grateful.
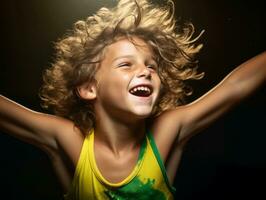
(120, 57)
(130, 56)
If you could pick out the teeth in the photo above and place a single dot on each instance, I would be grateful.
(141, 88)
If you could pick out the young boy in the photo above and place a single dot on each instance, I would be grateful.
(117, 88)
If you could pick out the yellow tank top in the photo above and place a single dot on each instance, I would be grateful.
(147, 181)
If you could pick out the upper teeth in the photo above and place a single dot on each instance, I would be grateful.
(141, 88)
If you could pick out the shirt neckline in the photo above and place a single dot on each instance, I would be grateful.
(131, 175)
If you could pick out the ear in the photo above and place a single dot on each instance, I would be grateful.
(87, 91)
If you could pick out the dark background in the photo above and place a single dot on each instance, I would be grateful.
(226, 160)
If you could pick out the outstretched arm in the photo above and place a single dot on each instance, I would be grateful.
(183, 122)
(58, 137)
(236, 86)
(48, 132)
(25, 124)
(174, 128)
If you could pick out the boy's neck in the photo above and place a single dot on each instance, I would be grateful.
(119, 137)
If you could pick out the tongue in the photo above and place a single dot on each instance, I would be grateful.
(141, 93)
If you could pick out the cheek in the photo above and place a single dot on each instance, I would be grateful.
(120, 80)
(114, 84)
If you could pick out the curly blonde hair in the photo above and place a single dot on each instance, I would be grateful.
(75, 62)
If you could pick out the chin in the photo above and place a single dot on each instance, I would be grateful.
(143, 112)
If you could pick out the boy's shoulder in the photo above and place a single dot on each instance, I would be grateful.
(166, 129)
(69, 138)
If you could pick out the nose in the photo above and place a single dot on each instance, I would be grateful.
(143, 71)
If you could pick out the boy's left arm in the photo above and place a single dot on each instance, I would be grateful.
(236, 86)
(174, 128)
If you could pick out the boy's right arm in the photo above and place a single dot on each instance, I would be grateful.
(48, 132)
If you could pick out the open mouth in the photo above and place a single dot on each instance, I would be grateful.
(141, 91)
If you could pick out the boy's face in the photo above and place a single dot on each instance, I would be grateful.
(128, 83)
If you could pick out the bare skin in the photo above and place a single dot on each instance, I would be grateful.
(120, 124)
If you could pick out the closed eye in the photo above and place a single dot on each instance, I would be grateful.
(124, 64)
(152, 66)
